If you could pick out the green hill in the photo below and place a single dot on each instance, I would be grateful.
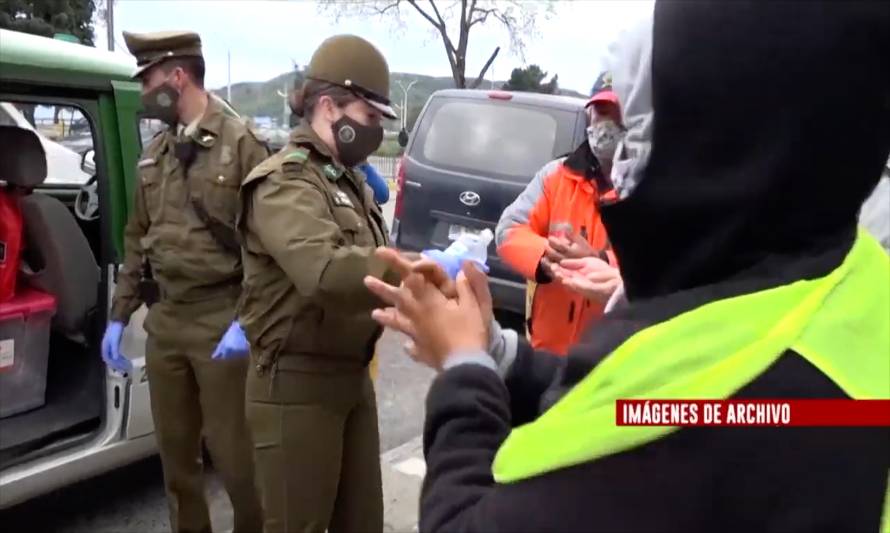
(261, 99)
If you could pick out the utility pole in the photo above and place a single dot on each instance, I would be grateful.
(405, 92)
(229, 84)
(285, 107)
(109, 23)
(284, 113)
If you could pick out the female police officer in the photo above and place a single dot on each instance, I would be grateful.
(309, 228)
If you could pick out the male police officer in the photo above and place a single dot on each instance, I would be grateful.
(182, 260)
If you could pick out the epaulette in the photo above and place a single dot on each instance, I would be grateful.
(296, 158)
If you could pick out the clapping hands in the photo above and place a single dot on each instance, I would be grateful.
(440, 316)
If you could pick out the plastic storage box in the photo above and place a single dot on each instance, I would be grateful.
(24, 350)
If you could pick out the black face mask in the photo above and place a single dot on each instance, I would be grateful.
(161, 103)
(355, 142)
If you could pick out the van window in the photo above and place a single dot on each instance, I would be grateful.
(494, 139)
(148, 128)
(64, 132)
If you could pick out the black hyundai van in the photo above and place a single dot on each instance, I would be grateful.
(470, 155)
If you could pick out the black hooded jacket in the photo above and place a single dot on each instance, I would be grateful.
(771, 126)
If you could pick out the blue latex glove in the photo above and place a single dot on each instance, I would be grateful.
(111, 348)
(377, 182)
(451, 263)
(233, 344)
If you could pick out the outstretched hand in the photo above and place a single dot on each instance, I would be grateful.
(591, 277)
(440, 317)
(406, 263)
(570, 246)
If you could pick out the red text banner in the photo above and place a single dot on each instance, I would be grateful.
(760, 412)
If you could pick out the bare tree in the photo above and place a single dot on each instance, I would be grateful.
(518, 17)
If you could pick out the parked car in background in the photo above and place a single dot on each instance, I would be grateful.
(470, 155)
(63, 163)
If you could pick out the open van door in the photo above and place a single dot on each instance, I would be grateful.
(73, 417)
(138, 421)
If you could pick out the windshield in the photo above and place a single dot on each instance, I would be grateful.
(494, 138)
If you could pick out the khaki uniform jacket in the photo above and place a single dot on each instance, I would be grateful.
(188, 262)
(309, 228)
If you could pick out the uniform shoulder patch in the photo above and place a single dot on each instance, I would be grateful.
(298, 156)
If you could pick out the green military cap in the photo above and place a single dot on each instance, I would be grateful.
(354, 63)
(155, 47)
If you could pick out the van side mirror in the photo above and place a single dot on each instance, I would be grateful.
(87, 161)
(403, 138)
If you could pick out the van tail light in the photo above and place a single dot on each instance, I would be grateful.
(400, 188)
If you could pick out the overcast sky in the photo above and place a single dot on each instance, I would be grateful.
(265, 36)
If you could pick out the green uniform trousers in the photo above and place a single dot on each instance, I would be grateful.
(317, 451)
(191, 395)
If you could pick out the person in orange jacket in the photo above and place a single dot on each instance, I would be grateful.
(556, 220)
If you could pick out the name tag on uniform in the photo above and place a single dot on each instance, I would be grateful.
(341, 199)
(147, 162)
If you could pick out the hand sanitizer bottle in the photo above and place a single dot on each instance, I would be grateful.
(467, 247)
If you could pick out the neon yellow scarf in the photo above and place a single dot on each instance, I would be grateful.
(840, 323)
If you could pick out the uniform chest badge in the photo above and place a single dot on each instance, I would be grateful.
(342, 199)
(332, 172)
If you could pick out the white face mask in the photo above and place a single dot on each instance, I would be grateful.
(603, 137)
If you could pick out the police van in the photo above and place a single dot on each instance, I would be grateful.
(70, 137)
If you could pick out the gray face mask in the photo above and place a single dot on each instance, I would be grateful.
(161, 103)
(603, 138)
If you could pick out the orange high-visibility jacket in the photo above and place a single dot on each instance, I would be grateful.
(559, 195)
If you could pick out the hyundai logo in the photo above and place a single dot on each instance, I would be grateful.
(470, 198)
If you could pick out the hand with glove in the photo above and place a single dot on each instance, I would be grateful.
(233, 344)
(111, 348)
(377, 183)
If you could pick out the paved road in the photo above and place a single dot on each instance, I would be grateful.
(132, 499)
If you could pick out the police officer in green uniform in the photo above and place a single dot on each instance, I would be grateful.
(182, 259)
(309, 226)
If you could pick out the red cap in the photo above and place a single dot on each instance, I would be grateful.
(602, 90)
(603, 96)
